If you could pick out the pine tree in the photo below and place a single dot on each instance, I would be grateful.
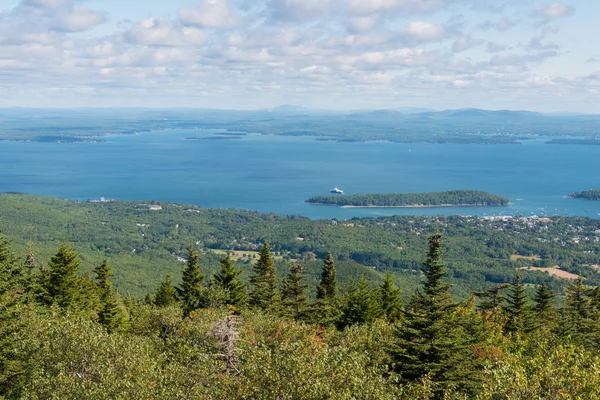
(294, 292)
(264, 280)
(390, 299)
(111, 313)
(227, 279)
(63, 282)
(166, 295)
(362, 304)
(192, 292)
(327, 289)
(544, 308)
(518, 308)
(433, 341)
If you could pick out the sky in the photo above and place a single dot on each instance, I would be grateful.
(328, 54)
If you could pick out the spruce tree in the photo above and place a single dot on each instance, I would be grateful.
(518, 308)
(433, 340)
(579, 323)
(227, 279)
(31, 282)
(362, 304)
(390, 299)
(544, 308)
(264, 281)
(191, 291)
(12, 368)
(327, 289)
(63, 282)
(166, 295)
(294, 292)
(111, 313)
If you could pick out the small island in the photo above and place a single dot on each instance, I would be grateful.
(592, 194)
(453, 198)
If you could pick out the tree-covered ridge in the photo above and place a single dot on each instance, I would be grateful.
(431, 199)
(146, 244)
(592, 194)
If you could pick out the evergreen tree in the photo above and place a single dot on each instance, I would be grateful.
(111, 313)
(103, 275)
(227, 279)
(543, 307)
(294, 292)
(492, 299)
(31, 283)
(579, 323)
(518, 308)
(63, 286)
(327, 289)
(390, 299)
(362, 305)
(264, 281)
(166, 295)
(192, 292)
(12, 368)
(433, 341)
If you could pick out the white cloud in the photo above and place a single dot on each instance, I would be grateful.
(156, 31)
(363, 24)
(553, 11)
(47, 4)
(80, 19)
(211, 14)
(363, 7)
(465, 43)
(425, 31)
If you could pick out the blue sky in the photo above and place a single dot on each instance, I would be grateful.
(335, 54)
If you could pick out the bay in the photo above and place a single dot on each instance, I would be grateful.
(277, 173)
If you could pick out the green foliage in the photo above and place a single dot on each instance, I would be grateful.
(592, 194)
(361, 306)
(327, 289)
(293, 293)
(111, 312)
(433, 342)
(479, 255)
(63, 286)
(547, 370)
(492, 299)
(453, 197)
(166, 294)
(228, 279)
(264, 293)
(518, 308)
(581, 322)
(544, 306)
(390, 300)
(191, 291)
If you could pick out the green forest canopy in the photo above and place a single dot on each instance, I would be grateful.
(592, 194)
(431, 199)
(143, 244)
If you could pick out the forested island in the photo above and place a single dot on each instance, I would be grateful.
(592, 194)
(278, 334)
(589, 142)
(453, 198)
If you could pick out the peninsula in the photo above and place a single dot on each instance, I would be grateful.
(592, 194)
(453, 198)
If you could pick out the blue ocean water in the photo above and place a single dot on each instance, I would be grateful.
(276, 174)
